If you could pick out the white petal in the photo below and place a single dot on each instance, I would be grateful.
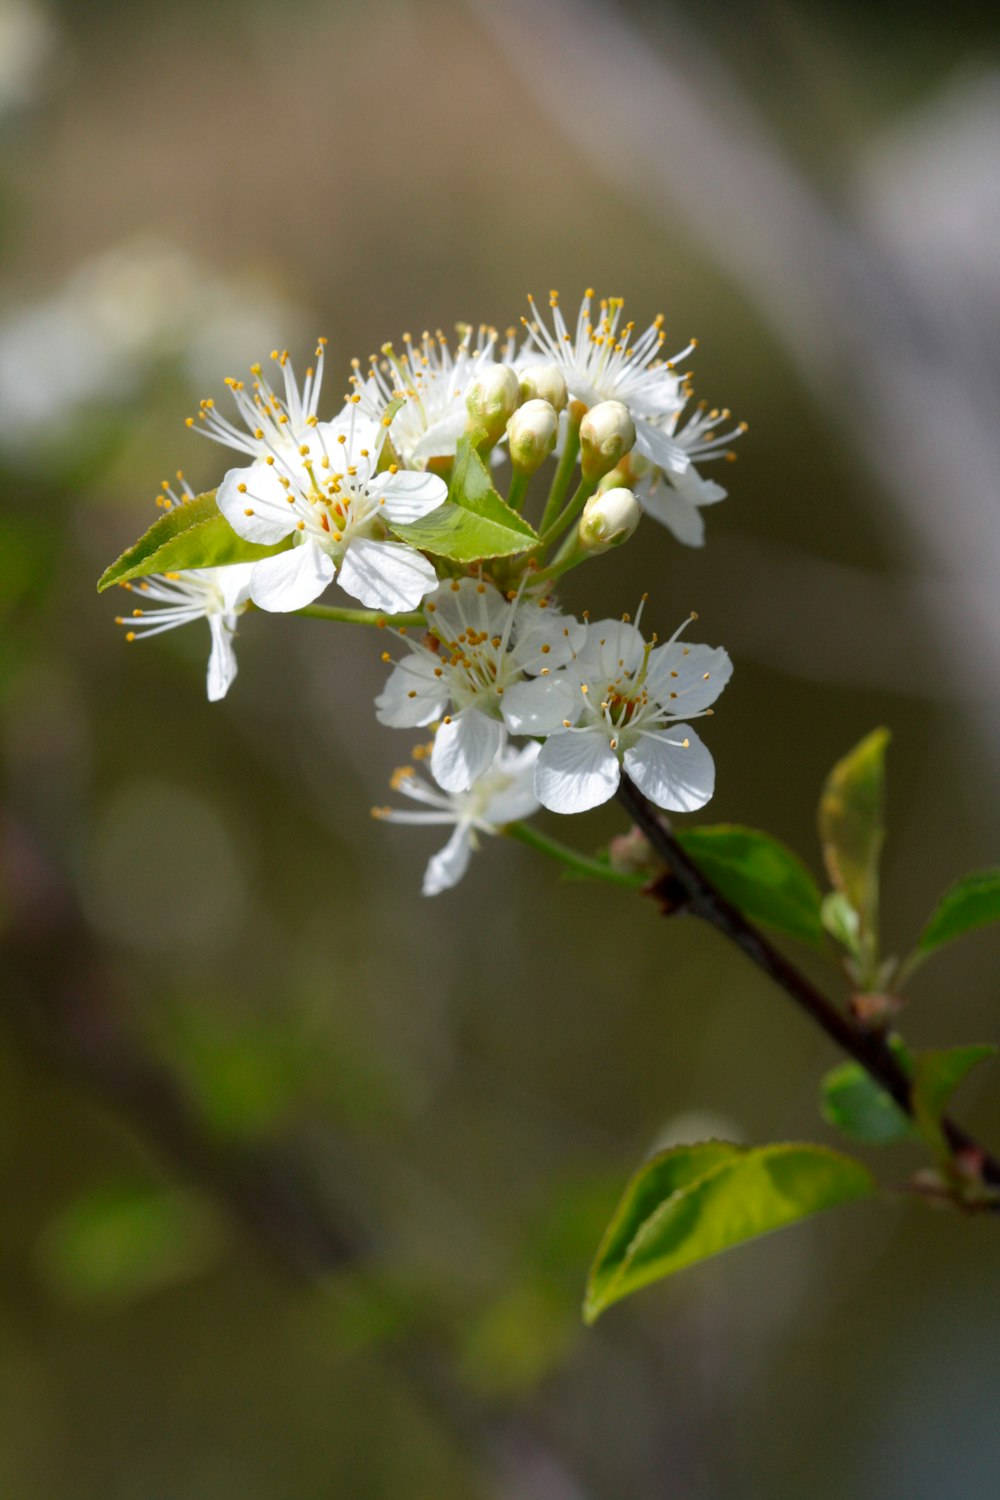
(676, 514)
(465, 749)
(688, 679)
(466, 602)
(408, 495)
(360, 432)
(441, 438)
(611, 647)
(577, 770)
(386, 575)
(234, 582)
(517, 799)
(413, 695)
(672, 768)
(447, 867)
(291, 580)
(540, 705)
(665, 452)
(271, 517)
(222, 659)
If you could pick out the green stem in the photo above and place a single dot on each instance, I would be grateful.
(580, 864)
(570, 512)
(518, 489)
(563, 475)
(360, 616)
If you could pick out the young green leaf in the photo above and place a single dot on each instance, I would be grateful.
(850, 825)
(759, 875)
(463, 536)
(841, 921)
(853, 1102)
(971, 902)
(472, 490)
(193, 535)
(695, 1201)
(936, 1076)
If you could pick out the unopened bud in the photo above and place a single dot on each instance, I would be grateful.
(532, 433)
(492, 400)
(607, 433)
(544, 383)
(609, 518)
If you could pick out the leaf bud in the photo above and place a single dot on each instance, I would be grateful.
(532, 433)
(609, 518)
(492, 400)
(607, 433)
(544, 383)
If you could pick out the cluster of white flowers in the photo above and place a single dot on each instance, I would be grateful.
(397, 499)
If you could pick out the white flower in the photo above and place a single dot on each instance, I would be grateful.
(218, 595)
(619, 701)
(275, 425)
(318, 482)
(435, 382)
(606, 361)
(478, 647)
(676, 498)
(502, 794)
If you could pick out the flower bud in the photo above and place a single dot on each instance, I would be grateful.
(532, 433)
(492, 400)
(607, 433)
(609, 518)
(544, 383)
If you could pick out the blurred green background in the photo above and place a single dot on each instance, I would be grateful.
(237, 1042)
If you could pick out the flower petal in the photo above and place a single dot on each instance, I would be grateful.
(386, 575)
(665, 452)
(687, 679)
(222, 659)
(464, 749)
(611, 647)
(671, 509)
(540, 705)
(271, 517)
(447, 867)
(408, 495)
(672, 768)
(577, 770)
(413, 694)
(291, 580)
(441, 438)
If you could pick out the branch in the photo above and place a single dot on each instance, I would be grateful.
(869, 1048)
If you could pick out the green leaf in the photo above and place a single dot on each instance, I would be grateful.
(842, 922)
(850, 825)
(853, 1102)
(118, 1243)
(759, 875)
(971, 902)
(936, 1076)
(472, 489)
(463, 536)
(695, 1201)
(193, 535)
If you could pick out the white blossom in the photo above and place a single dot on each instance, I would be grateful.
(479, 645)
(621, 700)
(676, 498)
(434, 382)
(502, 794)
(218, 595)
(608, 361)
(319, 483)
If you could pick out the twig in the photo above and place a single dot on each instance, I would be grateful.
(867, 1047)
